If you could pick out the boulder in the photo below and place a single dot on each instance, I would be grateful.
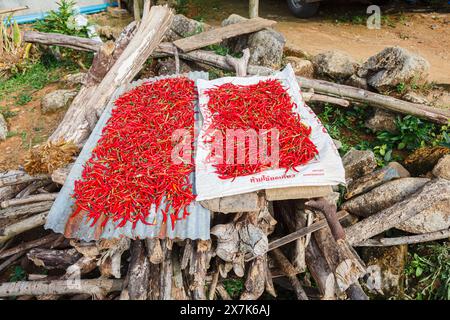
(382, 121)
(302, 67)
(184, 27)
(74, 79)
(442, 168)
(336, 65)
(56, 100)
(3, 128)
(266, 46)
(393, 66)
(423, 160)
(385, 270)
(358, 163)
(357, 82)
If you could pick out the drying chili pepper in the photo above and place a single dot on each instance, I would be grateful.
(131, 169)
(265, 105)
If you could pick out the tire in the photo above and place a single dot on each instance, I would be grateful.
(302, 9)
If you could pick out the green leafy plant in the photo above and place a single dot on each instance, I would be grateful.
(428, 272)
(23, 99)
(234, 287)
(18, 274)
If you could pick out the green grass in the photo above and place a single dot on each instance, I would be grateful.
(234, 287)
(428, 272)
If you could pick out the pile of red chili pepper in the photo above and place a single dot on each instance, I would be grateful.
(131, 169)
(262, 106)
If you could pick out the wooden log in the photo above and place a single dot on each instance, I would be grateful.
(29, 245)
(431, 192)
(59, 287)
(27, 209)
(320, 271)
(59, 176)
(386, 242)
(15, 9)
(305, 192)
(155, 253)
(311, 96)
(256, 280)
(223, 292)
(28, 199)
(217, 35)
(8, 262)
(17, 177)
(355, 292)
(291, 273)
(239, 64)
(253, 8)
(32, 188)
(56, 39)
(138, 272)
(375, 100)
(246, 202)
(12, 230)
(198, 268)
(53, 259)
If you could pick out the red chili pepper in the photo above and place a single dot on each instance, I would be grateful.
(131, 169)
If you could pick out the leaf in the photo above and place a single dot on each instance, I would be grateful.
(401, 145)
(419, 271)
(17, 37)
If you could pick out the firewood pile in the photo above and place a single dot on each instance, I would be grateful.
(286, 238)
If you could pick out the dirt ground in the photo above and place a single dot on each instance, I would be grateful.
(342, 26)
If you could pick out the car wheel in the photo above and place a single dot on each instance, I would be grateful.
(303, 9)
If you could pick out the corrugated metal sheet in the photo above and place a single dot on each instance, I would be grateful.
(196, 226)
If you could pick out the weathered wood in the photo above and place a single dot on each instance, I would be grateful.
(223, 292)
(435, 190)
(305, 192)
(198, 268)
(155, 253)
(311, 96)
(328, 209)
(23, 225)
(256, 280)
(29, 245)
(57, 39)
(8, 262)
(217, 35)
(53, 259)
(291, 273)
(386, 242)
(239, 64)
(253, 8)
(28, 199)
(59, 176)
(17, 177)
(27, 209)
(59, 287)
(245, 202)
(9, 10)
(320, 271)
(355, 292)
(138, 272)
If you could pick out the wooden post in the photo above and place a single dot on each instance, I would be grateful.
(253, 8)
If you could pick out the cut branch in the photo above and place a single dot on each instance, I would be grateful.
(56, 39)
(386, 242)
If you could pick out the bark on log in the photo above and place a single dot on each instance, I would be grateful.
(27, 209)
(53, 259)
(291, 273)
(217, 35)
(59, 287)
(355, 292)
(24, 225)
(29, 245)
(28, 199)
(138, 272)
(433, 191)
(56, 39)
(10, 261)
(386, 242)
(239, 64)
(256, 280)
(17, 177)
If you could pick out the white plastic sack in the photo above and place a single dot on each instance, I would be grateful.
(325, 169)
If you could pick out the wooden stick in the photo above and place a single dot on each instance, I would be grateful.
(24, 225)
(10, 261)
(29, 199)
(290, 272)
(53, 259)
(18, 177)
(239, 64)
(386, 242)
(29, 245)
(3, 11)
(27, 209)
(139, 271)
(217, 35)
(253, 8)
(59, 287)
(56, 39)
(430, 193)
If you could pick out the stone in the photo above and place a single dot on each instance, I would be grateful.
(56, 100)
(337, 143)
(385, 270)
(334, 64)
(266, 46)
(3, 128)
(358, 163)
(423, 160)
(167, 67)
(184, 27)
(357, 82)
(434, 218)
(74, 79)
(442, 168)
(294, 51)
(415, 98)
(382, 121)
(302, 67)
(393, 66)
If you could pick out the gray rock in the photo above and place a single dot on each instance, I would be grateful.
(302, 67)
(337, 143)
(415, 98)
(385, 269)
(358, 163)
(334, 64)
(184, 27)
(3, 127)
(382, 121)
(57, 100)
(392, 66)
(357, 82)
(442, 168)
(74, 79)
(167, 67)
(266, 46)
